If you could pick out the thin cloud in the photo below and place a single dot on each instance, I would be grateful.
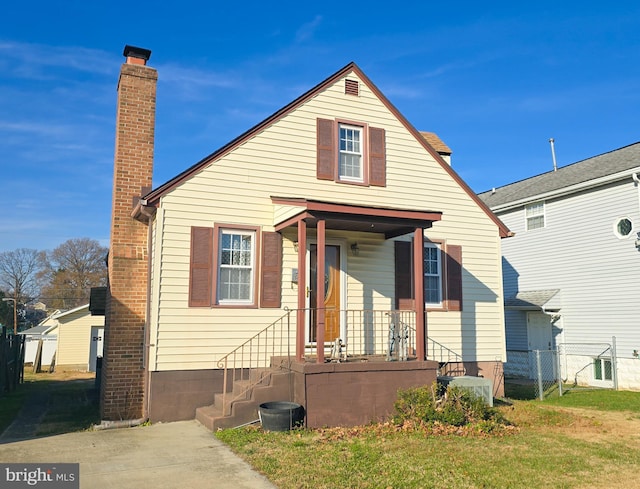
(35, 61)
(307, 31)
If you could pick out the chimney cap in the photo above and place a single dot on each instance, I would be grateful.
(135, 52)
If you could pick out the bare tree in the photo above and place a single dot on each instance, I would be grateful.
(18, 270)
(70, 270)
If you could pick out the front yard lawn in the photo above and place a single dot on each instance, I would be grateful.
(584, 445)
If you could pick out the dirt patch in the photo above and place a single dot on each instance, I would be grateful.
(590, 425)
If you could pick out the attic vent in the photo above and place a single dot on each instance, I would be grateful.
(351, 87)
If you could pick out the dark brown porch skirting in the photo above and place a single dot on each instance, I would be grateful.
(333, 394)
(355, 393)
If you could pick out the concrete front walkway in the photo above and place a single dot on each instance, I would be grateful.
(163, 456)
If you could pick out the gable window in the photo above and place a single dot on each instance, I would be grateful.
(350, 153)
(432, 275)
(534, 214)
(236, 265)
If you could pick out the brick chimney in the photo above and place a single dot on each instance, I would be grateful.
(123, 382)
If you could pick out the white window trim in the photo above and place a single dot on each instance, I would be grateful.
(438, 247)
(360, 129)
(603, 380)
(617, 233)
(543, 214)
(243, 232)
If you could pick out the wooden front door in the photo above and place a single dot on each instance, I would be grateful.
(331, 293)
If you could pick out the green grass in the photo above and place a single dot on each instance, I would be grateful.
(552, 446)
(603, 399)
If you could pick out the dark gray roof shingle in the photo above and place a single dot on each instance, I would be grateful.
(599, 166)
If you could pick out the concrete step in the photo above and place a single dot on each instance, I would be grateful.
(245, 410)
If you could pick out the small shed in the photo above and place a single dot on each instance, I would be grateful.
(41, 338)
(80, 338)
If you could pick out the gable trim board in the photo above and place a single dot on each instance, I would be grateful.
(153, 198)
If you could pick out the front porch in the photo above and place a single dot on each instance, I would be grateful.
(355, 383)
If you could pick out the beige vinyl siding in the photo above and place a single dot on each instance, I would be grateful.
(74, 338)
(281, 161)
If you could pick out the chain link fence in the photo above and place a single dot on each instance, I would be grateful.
(574, 366)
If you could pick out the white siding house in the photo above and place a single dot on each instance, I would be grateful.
(572, 271)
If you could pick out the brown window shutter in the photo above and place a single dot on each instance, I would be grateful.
(377, 157)
(454, 277)
(271, 270)
(403, 268)
(201, 267)
(326, 149)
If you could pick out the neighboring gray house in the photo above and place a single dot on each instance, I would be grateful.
(572, 271)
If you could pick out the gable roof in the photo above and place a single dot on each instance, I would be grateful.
(40, 329)
(70, 311)
(598, 170)
(531, 300)
(152, 198)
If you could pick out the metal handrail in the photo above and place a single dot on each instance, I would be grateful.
(367, 335)
(250, 362)
(444, 355)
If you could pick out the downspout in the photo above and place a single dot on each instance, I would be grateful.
(636, 179)
(125, 423)
(634, 175)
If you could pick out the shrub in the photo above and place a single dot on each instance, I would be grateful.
(454, 406)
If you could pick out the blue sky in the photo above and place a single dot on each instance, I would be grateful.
(495, 80)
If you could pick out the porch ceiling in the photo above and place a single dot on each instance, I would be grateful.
(388, 221)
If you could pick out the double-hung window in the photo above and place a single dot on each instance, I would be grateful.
(535, 215)
(236, 266)
(432, 275)
(350, 153)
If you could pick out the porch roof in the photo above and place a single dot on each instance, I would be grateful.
(384, 220)
(533, 300)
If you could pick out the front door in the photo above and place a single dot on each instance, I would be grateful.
(330, 297)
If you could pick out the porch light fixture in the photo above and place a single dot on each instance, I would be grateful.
(355, 250)
(295, 246)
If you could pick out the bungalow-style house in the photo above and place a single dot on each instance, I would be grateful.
(213, 302)
(572, 270)
(80, 339)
